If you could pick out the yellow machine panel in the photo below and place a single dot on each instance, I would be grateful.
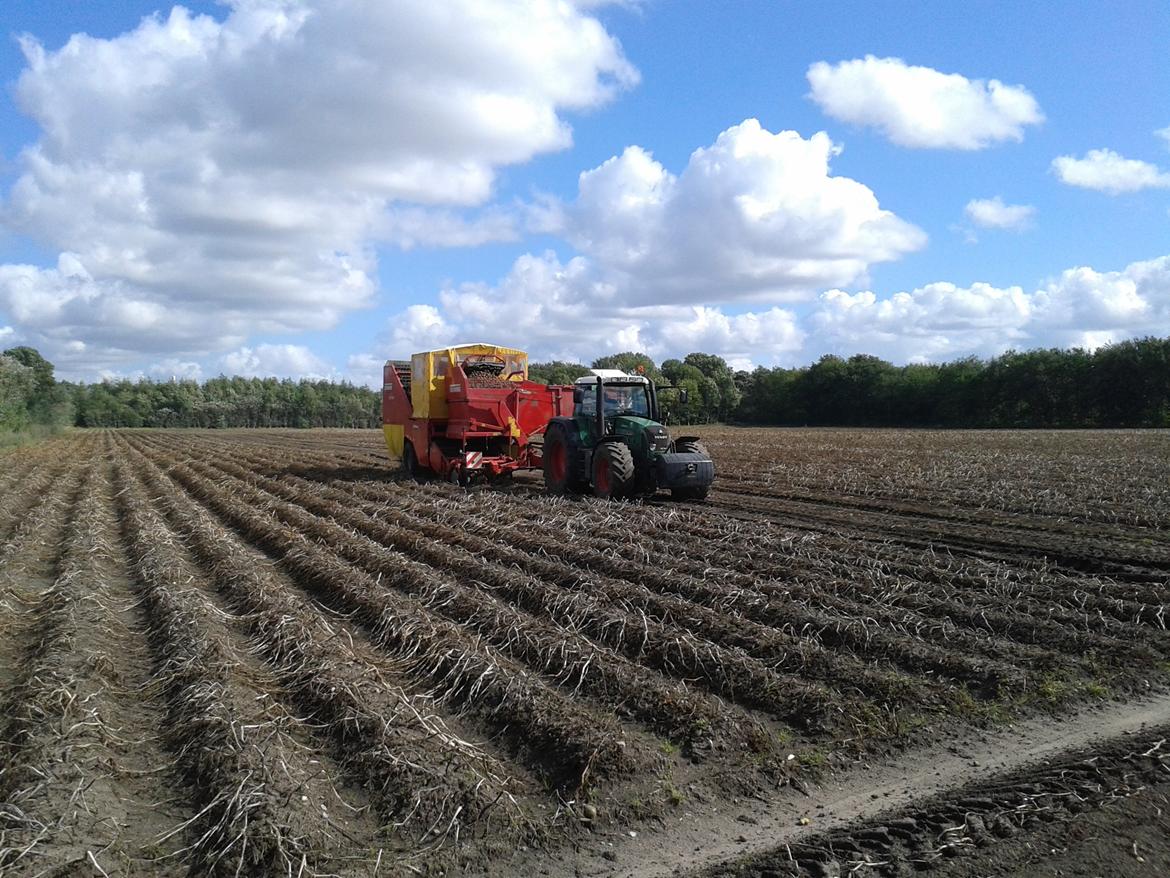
(394, 437)
(429, 372)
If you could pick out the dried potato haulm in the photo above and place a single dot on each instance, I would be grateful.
(327, 669)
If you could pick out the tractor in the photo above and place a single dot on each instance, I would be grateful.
(615, 445)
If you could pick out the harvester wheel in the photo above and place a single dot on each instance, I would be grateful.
(613, 471)
(690, 446)
(558, 477)
(410, 461)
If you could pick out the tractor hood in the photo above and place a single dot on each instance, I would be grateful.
(632, 425)
(642, 433)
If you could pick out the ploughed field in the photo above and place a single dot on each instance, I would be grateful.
(264, 652)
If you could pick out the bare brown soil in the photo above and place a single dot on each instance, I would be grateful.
(265, 652)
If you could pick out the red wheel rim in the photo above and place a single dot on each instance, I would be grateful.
(556, 462)
(602, 476)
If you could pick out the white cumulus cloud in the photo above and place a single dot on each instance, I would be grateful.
(1134, 301)
(993, 213)
(279, 360)
(934, 322)
(921, 107)
(212, 179)
(756, 216)
(1081, 307)
(365, 369)
(173, 368)
(561, 310)
(1107, 171)
(555, 311)
(410, 227)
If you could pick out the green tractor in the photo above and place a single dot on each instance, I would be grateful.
(615, 446)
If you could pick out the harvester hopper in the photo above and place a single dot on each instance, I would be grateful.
(467, 411)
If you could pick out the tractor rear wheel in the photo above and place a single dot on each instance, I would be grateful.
(613, 471)
(558, 461)
(690, 446)
(410, 462)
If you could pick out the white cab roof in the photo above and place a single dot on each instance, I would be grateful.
(616, 375)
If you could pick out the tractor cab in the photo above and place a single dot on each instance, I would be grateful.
(609, 402)
(615, 444)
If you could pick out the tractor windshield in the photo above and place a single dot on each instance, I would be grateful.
(626, 399)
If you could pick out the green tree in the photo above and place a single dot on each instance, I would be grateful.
(726, 396)
(702, 403)
(633, 362)
(1130, 383)
(556, 372)
(17, 387)
(49, 404)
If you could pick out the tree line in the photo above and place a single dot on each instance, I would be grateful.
(1120, 385)
(30, 397)
(226, 402)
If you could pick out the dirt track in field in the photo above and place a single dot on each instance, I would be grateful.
(258, 652)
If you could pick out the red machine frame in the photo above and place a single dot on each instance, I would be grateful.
(488, 431)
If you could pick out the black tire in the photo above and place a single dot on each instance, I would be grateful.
(558, 462)
(690, 446)
(410, 464)
(613, 471)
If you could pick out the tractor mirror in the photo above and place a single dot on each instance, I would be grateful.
(578, 395)
(682, 397)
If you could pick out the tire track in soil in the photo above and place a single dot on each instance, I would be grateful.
(972, 821)
(87, 784)
(849, 800)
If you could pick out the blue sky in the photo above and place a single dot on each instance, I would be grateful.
(277, 187)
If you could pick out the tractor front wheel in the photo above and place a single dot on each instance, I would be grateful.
(613, 471)
(690, 446)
